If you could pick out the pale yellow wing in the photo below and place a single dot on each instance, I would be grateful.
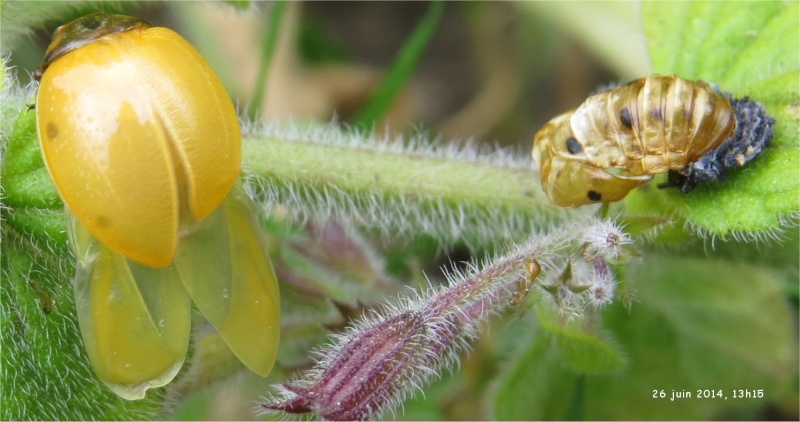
(135, 320)
(226, 269)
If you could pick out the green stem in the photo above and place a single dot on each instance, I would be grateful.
(267, 52)
(450, 194)
(404, 64)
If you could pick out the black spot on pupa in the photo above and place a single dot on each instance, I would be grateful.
(656, 114)
(573, 146)
(625, 117)
(52, 130)
(594, 195)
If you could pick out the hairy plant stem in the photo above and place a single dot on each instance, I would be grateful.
(451, 193)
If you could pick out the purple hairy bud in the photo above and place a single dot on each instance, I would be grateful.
(381, 360)
(364, 371)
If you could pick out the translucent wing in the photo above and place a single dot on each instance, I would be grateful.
(135, 320)
(227, 271)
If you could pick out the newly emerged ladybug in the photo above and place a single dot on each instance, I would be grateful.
(143, 144)
(618, 139)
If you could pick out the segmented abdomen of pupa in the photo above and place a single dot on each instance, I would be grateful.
(652, 125)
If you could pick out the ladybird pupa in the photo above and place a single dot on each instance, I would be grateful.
(618, 139)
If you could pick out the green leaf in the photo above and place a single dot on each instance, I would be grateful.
(716, 324)
(33, 204)
(544, 381)
(583, 350)
(429, 406)
(402, 68)
(748, 49)
(45, 372)
(537, 385)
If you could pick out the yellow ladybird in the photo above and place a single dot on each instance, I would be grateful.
(143, 144)
(618, 139)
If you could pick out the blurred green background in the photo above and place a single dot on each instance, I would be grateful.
(492, 71)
